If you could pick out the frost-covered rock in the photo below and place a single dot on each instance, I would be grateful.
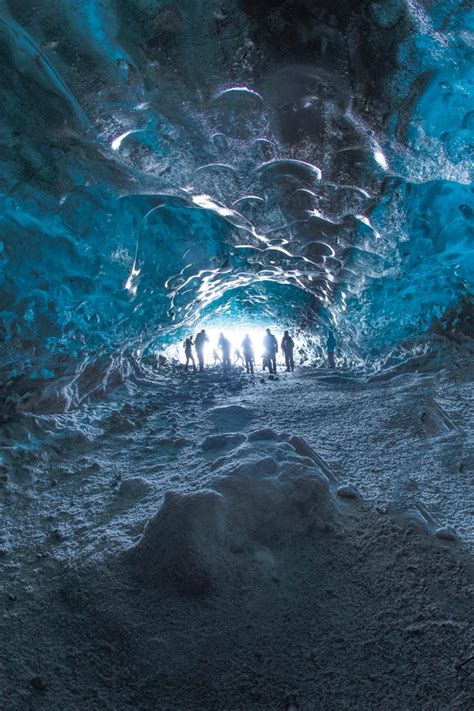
(221, 441)
(347, 491)
(266, 433)
(446, 533)
(179, 547)
(134, 488)
(232, 417)
(188, 546)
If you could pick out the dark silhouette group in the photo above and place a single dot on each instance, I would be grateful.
(199, 343)
(245, 353)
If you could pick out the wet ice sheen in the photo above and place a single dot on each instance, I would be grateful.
(207, 541)
(119, 211)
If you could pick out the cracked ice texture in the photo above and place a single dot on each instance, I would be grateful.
(163, 161)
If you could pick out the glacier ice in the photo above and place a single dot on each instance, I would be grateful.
(162, 163)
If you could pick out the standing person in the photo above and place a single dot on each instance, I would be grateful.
(330, 346)
(271, 349)
(287, 346)
(199, 343)
(238, 356)
(188, 351)
(225, 346)
(247, 350)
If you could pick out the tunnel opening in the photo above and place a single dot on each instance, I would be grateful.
(225, 539)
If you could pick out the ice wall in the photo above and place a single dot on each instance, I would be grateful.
(163, 161)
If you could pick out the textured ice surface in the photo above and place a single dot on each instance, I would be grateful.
(162, 162)
(196, 542)
(138, 573)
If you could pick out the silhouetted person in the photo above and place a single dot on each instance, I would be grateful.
(216, 356)
(199, 343)
(247, 349)
(238, 356)
(225, 346)
(188, 351)
(330, 346)
(287, 346)
(271, 349)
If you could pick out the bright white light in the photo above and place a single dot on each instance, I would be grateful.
(208, 203)
(115, 145)
(131, 285)
(381, 160)
(235, 335)
(239, 90)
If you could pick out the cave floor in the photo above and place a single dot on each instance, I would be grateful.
(350, 603)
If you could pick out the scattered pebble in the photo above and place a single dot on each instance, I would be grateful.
(38, 684)
(134, 488)
(446, 533)
(348, 491)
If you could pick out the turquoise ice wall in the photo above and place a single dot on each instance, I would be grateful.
(163, 161)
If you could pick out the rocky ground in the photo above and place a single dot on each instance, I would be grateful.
(201, 541)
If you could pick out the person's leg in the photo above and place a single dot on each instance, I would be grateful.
(287, 361)
(201, 360)
(332, 363)
(187, 363)
(273, 367)
(292, 362)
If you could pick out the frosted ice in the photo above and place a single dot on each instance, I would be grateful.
(218, 541)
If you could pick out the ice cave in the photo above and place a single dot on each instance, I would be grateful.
(217, 539)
